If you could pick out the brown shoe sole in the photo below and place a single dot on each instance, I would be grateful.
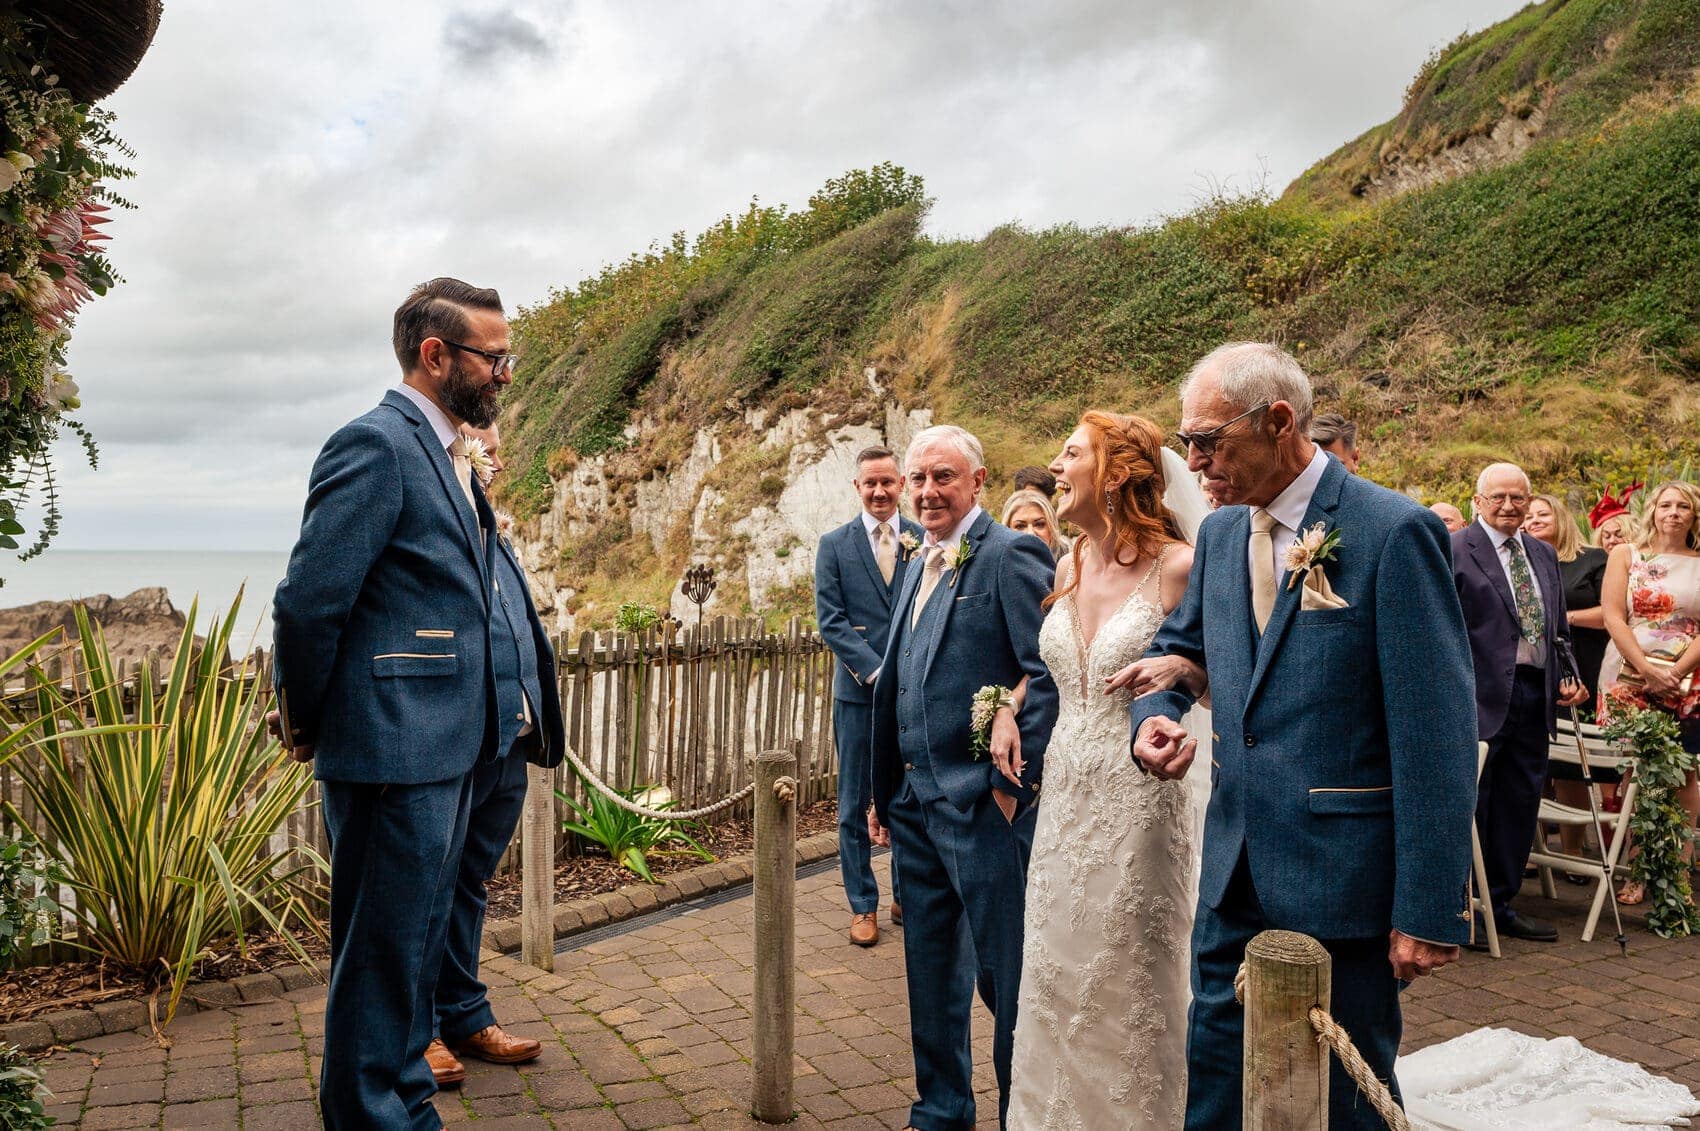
(492, 1058)
(448, 1079)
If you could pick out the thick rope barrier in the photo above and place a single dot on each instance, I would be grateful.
(1329, 1032)
(631, 806)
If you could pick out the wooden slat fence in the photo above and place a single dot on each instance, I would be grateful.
(678, 709)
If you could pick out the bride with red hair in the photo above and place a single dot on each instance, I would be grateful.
(1100, 1038)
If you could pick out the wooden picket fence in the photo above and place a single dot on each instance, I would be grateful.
(678, 709)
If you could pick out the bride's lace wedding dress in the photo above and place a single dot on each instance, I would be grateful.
(1100, 1036)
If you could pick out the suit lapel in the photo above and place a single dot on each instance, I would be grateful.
(973, 536)
(1487, 560)
(865, 554)
(1322, 505)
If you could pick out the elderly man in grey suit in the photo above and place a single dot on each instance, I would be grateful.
(394, 678)
(859, 571)
(1343, 778)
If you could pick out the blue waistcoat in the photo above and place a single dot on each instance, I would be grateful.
(513, 651)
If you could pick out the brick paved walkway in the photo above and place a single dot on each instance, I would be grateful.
(651, 1029)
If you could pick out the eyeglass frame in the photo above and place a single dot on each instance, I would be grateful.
(499, 362)
(1207, 440)
(1499, 499)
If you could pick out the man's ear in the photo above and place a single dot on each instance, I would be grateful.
(1281, 419)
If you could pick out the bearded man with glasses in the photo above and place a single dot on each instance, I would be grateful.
(398, 670)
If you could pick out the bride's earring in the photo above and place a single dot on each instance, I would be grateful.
(1110, 504)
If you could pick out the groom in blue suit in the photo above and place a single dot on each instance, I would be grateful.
(392, 678)
(968, 617)
(1343, 778)
(859, 570)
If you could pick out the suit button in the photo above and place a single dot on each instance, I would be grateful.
(908, 765)
(1251, 740)
(902, 690)
(905, 653)
(520, 716)
(904, 729)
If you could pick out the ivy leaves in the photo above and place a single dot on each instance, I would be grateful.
(1659, 823)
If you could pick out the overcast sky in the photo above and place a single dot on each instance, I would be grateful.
(301, 165)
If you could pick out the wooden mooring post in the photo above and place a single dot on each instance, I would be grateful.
(775, 935)
(537, 870)
(1286, 1067)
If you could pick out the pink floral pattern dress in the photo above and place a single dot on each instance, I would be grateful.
(1664, 615)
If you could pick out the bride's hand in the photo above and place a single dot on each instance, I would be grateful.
(1158, 673)
(1006, 745)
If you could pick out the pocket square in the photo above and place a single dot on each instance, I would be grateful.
(1316, 593)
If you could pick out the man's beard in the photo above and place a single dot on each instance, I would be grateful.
(466, 399)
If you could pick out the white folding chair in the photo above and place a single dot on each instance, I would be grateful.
(1613, 827)
(1481, 899)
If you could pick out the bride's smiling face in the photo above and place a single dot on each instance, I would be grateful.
(1076, 469)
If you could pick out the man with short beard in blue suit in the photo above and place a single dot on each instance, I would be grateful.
(1343, 706)
(858, 574)
(392, 678)
(968, 617)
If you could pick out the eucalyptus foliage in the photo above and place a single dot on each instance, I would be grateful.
(162, 814)
(1659, 824)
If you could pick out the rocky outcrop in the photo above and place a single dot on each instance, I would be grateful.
(135, 625)
(1509, 138)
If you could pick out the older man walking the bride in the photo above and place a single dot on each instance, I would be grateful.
(1325, 617)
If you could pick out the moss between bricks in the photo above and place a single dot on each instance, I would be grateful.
(68, 1026)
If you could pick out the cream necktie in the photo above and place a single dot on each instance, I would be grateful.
(1262, 550)
(463, 470)
(885, 551)
(932, 570)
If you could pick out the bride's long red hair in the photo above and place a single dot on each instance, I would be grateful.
(1130, 449)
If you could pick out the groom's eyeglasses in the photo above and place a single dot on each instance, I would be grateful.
(1206, 442)
(500, 363)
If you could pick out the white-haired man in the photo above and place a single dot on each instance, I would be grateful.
(969, 617)
(1513, 598)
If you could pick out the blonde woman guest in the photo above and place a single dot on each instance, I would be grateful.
(1030, 512)
(1582, 568)
(1651, 598)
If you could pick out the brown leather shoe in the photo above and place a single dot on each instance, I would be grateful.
(865, 928)
(497, 1047)
(897, 914)
(445, 1069)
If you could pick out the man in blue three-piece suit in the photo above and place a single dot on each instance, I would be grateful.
(465, 1021)
(1343, 780)
(968, 617)
(393, 678)
(858, 574)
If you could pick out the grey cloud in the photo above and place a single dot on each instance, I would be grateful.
(486, 37)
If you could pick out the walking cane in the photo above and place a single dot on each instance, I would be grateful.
(1568, 659)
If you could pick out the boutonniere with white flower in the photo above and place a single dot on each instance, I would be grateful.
(504, 526)
(479, 457)
(1313, 547)
(957, 559)
(909, 544)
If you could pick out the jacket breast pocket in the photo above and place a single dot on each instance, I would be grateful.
(972, 601)
(391, 665)
(1324, 618)
(1374, 801)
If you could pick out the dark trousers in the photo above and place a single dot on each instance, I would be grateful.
(393, 855)
(1508, 801)
(498, 796)
(964, 891)
(1365, 1000)
(852, 728)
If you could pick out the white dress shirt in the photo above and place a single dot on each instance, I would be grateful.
(440, 424)
(951, 540)
(1533, 655)
(872, 525)
(1288, 509)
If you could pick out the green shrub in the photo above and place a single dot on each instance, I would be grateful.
(629, 837)
(23, 1092)
(634, 618)
(26, 917)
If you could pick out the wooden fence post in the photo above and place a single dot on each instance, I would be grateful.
(537, 871)
(775, 943)
(1286, 1067)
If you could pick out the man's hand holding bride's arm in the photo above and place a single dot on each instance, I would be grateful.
(1163, 747)
(1412, 958)
(1159, 673)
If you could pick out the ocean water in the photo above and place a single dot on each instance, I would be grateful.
(213, 576)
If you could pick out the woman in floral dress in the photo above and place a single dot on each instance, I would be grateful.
(1651, 598)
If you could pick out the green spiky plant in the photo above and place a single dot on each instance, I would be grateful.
(630, 837)
(161, 815)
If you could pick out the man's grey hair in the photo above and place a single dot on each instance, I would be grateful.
(1487, 472)
(961, 439)
(1249, 374)
(1329, 427)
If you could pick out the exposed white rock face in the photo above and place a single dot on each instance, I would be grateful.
(772, 548)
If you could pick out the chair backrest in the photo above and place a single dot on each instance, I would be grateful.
(1589, 730)
(1481, 760)
(1601, 751)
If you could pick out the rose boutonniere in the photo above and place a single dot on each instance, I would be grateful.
(1313, 547)
(909, 544)
(957, 559)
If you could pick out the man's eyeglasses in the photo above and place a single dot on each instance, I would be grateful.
(1500, 500)
(1206, 442)
(500, 363)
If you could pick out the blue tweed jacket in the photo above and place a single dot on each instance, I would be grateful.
(381, 624)
(853, 604)
(1344, 739)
